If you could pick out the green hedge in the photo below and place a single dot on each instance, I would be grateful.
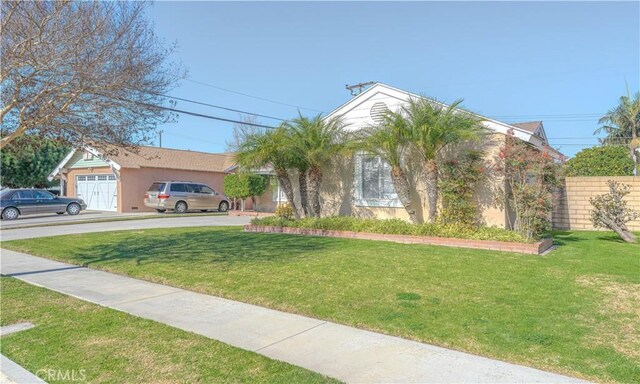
(601, 161)
(395, 227)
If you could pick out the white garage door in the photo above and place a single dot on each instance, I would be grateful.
(99, 192)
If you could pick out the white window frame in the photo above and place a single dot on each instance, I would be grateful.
(359, 200)
(277, 193)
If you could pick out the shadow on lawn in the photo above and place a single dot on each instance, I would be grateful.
(565, 237)
(215, 246)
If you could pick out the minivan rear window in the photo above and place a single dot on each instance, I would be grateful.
(157, 187)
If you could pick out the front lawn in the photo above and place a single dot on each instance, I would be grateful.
(574, 311)
(78, 340)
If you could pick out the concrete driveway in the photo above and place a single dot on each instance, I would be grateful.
(168, 222)
(52, 218)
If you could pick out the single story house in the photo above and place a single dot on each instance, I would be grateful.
(362, 186)
(118, 183)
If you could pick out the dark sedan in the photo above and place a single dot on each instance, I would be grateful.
(16, 202)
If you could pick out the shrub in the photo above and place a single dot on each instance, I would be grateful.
(458, 181)
(610, 211)
(610, 160)
(244, 185)
(530, 175)
(394, 227)
(284, 211)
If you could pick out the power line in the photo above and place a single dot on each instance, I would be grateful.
(219, 107)
(252, 96)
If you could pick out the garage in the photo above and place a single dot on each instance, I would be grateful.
(99, 192)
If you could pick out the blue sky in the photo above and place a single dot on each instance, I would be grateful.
(563, 63)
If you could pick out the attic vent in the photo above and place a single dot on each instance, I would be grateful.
(377, 112)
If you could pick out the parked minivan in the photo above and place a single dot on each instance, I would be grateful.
(183, 196)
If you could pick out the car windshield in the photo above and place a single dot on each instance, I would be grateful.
(156, 187)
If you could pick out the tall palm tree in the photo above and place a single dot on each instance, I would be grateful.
(316, 141)
(432, 127)
(388, 140)
(270, 148)
(622, 125)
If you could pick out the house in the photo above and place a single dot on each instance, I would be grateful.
(118, 182)
(362, 186)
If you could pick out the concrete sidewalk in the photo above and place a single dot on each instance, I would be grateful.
(345, 353)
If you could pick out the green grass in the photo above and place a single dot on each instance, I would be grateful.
(102, 345)
(574, 311)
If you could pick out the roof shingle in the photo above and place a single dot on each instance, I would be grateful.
(154, 157)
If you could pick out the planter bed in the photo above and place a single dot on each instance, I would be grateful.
(530, 248)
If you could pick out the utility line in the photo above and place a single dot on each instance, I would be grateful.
(252, 96)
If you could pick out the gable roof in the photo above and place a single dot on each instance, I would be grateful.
(398, 97)
(154, 157)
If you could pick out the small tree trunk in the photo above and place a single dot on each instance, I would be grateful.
(242, 204)
(315, 178)
(304, 201)
(401, 185)
(431, 173)
(621, 230)
(285, 184)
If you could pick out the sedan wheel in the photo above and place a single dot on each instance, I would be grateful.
(73, 209)
(224, 206)
(181, 207)
(10, 213)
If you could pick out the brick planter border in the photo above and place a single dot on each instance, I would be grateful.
(530, 248)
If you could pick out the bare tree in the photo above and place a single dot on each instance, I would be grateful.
(242, 131)
(83, 72)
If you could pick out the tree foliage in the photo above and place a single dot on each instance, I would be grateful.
(244, 185)
(28, 160)
(608, 160)
(611, 211)
(82, 72)
(530, 175)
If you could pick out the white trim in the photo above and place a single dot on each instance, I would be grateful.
(99, 155)
(358, 199)
(61, 165)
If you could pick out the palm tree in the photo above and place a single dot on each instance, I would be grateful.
(622, 125)
(389, 141)
(270, 148)
(315, 141)
(432, 127)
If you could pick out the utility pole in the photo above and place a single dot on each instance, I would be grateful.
(160, 138)
(360, 87)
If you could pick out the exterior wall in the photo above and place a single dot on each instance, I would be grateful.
(78, 161)
(265, 202)
(134, 183)
(338, 191)
(71, 180)
(572, 210)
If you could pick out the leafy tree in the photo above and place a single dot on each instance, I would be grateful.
(622, 124)
(315, 141)
(270, 148)
(608, 160)
(28, 160)
(244, 185)
(611, 211)
(389, 141)
(530, 175)
(433, 127)
(82, 72)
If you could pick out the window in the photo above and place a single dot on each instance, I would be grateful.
(23, 195)
(87, 156)
(178, 187)
(193, 188)
(374, 186)
(157, 187)
(205, 189)
(102, 177)
(43, 195)
(82, 178)
(112, 177)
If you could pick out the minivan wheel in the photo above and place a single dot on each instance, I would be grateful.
(224, 206)
(10, 213)
(73, 209)
(181, 207)
(160, 210)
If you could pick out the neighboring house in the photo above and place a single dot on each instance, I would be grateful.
(362, 186)
(118, 183)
